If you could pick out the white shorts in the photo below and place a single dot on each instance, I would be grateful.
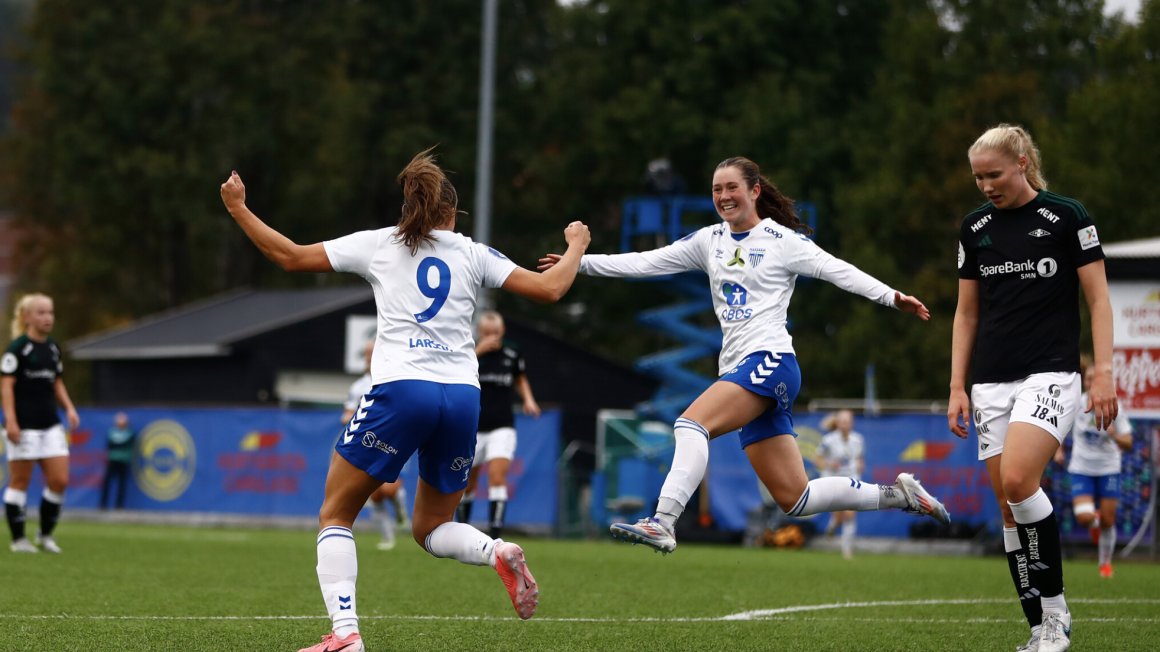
(38, 444)
(1048, 400)
(498, 444)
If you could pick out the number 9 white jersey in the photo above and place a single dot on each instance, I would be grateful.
(425, 301)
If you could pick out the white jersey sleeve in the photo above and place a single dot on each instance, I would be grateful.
(684, 255)
(808, 259)
(353, 253)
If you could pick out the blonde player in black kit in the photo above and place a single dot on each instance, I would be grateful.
(1023, 257)
(502, 373)
(31, 388)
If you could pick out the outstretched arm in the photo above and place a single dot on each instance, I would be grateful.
(853, 280)
(551, 285)
(281, 250)
(681, 256)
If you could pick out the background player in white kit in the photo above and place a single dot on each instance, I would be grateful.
(752, 262)
(1095, 466)
(426, 279)
(392, 492)
(842, 453)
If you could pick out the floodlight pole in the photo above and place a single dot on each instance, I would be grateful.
(485, 128)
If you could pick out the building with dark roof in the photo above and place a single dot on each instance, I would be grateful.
(296, 346)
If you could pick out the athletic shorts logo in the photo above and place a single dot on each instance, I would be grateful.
(460, 463)
(978, 415)
(371, 440)
(168, 460)
(1054, 390)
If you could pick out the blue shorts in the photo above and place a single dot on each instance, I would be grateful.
(1098, 487)
(396, 419)
(773, 375)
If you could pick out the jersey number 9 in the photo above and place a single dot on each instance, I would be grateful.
(437, 293)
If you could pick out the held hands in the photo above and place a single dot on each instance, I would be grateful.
(959, 413)
(907, 303)
(548, 262)
(234, 192)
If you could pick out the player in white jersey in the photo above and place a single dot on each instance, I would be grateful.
(390, 492)
(752, 262)
(1095, 474)
(425, 398)
(842, 453)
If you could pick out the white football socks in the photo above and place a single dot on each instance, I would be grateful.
(690, 459)
(462, 542)
(337, 572)
(839, 494)
(1107, 544)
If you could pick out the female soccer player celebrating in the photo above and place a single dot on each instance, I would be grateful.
(425, 398)
(1023, 255)
(753, 259)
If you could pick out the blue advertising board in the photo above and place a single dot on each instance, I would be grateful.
(265, 461)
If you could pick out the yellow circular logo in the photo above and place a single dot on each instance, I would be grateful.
(167, 461)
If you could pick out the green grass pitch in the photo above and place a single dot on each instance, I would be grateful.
(119, 587)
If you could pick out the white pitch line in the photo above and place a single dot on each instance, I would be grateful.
(779, 614)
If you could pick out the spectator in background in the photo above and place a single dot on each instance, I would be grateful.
(842, 453)
(501, 370)
(31, 389)
(1095, 473)
(119, 443)
(393, 492)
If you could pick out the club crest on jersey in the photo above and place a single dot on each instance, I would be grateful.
(756, 256)
(1039, 233)
(737, 259)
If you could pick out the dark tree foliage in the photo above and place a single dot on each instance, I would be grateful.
(129, 114)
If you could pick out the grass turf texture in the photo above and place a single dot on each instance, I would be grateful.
(122, 587)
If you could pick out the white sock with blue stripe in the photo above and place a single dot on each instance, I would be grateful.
(462, 542)
(337, 573)
(839, 494)
(688, 469)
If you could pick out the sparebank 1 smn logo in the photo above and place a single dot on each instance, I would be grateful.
(168, 460)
